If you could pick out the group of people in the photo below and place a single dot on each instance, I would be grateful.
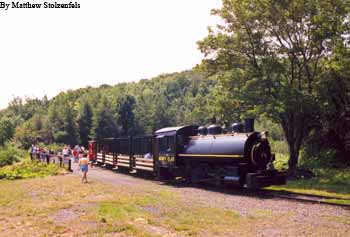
(78, 153)
(41, 153)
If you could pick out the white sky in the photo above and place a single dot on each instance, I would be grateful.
(45, 51)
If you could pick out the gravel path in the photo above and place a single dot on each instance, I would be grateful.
(283, 217)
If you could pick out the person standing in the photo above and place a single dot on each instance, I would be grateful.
(84, 167)
(32, 152)
(59, 155)
(78, 148)
(65, 152)
(75, 155)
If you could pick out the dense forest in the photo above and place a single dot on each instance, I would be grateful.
(286, 63)
(125, 109)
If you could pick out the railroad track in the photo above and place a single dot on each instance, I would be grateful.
(309, 198)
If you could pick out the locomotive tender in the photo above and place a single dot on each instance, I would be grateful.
(198, 154)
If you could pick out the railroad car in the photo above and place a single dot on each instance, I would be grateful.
(198, 154)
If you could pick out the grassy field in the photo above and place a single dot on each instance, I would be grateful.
(329, 182)
(61, 205)
(43, 205)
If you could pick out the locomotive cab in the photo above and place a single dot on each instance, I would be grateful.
(168, 143)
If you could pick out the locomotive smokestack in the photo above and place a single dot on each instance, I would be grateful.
(249, 125)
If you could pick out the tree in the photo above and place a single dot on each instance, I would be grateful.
(268, 53)
(7, 130)
(15, 106)
(26, 134)
(126, 115)
(69, 126)
(332, 133)
(28, 108)
(61, 119)
(84, 121)
(103, 122)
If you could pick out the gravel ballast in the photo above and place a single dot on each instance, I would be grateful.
(277, 217)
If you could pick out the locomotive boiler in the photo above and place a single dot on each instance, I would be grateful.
(197, 154)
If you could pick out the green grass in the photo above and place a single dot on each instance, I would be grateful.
(193, 220)
(164, 209)
(29, 169)
(115, 210)
(62, 206)
(147, 207)
(329, 182)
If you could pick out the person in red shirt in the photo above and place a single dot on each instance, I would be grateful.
(75, 155)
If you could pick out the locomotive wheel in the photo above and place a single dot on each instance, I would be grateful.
(198, 174)
(164, 173)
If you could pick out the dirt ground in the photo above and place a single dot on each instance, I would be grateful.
(283, 217)
(116, 204)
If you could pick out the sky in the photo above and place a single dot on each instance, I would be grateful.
(46, 51)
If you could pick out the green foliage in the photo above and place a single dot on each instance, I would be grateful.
(9, 154)
(126, 115)
(53, 146)
(7, 129)
(232, 90)
(28, 169)
(32, 131)
(314, 159)
(104, 125)
(135, 108)
(327, 182)
(275, 130)
(279, 147)
(84, 122)
(61, 120)
(281, 162)
(27, 108)
(267, 56)
(331, 133)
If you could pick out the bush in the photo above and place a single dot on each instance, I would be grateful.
(9, 154)
(279, 147)
(28, 169)
(274, 129)
(53, 146)
(281, 162)
(323, 158)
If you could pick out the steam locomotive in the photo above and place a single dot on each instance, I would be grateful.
(198, 154)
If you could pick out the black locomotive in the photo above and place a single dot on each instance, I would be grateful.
(198, 154)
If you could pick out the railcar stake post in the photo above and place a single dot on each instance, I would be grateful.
(70, 165)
